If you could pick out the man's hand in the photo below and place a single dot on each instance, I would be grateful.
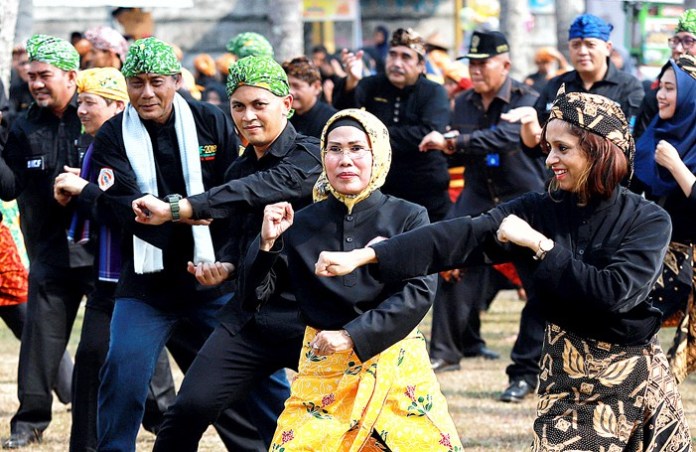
(67, 185)
(210, 274)
(354, 66)
(434, 141)
(523, 115)
(277, 218)
(328, 342)
(150, 210)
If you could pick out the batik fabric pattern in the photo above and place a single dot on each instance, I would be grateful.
(386, 403)
(596, 396)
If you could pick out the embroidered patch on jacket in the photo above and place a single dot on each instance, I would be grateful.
(207, 152)
(381, 99)
(106, 178)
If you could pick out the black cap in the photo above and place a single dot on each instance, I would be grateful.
(485, 44)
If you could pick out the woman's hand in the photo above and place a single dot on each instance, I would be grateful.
(666, 155)
(515, 230)
(210, 274)
(328, 342)
(277, 218)
(339, 263)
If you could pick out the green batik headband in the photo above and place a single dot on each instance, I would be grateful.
(250, 44)
(150, 56)
(262, 72)
(54, 51)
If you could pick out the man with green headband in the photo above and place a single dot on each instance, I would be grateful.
(250, 44)
(163, 145)
(38, 146)
(278, 165)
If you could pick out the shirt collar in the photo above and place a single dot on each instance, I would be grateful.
(281, 146)
(368, 203)
(504, 92)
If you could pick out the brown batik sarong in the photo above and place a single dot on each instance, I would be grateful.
(596, 396)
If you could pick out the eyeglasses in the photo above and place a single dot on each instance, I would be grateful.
(353, 152)
(686, 42)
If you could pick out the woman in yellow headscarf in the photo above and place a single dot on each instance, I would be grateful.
(364, 380)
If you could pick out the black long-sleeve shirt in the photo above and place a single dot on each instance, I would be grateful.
(497, 169)
(376, 315)
(409, 114)
(217, 148)
(619, 86)
(313, 122)
(681, 209)
(594, 282)
(286, 172)
(38, 146)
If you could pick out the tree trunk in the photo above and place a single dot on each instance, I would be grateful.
(287, 33)
(8, 22)
(566, 12)
(514, 17)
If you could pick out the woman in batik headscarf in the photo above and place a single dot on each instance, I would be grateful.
(665, 168)
(364, 379)
(594, 250)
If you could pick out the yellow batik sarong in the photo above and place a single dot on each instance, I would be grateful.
(391, 402)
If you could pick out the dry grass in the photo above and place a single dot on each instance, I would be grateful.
(483, 423)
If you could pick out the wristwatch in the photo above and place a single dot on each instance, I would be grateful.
(173, 201)
(545, 245)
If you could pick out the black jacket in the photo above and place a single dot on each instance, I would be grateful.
(596, 280)
(38, 147)
(376, 315)
(218, 149)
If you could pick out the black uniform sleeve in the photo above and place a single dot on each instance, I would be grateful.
(504, 138)
(108, 155)
(292, 178)
(13, 164)
(398, 314)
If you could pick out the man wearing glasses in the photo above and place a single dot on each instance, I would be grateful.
(681, 43)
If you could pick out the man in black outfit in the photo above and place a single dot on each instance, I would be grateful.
(38, 147)
(410, 106)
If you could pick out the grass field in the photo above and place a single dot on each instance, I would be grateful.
(484, 424)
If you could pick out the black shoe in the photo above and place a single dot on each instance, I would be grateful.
(516, 391)
(22, 439)
(440, 365)
(483, 352)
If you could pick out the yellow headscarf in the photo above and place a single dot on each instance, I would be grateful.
(106, 82)
(378, 137)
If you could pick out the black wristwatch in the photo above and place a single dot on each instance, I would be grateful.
(173, 201)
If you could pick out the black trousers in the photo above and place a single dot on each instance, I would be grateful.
(456, 327)
(91, 352)
(526, 352)
(15, 317)
(226, 369)
(54, 297)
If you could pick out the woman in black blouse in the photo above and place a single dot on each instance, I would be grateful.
(364, 381)
(594, 250)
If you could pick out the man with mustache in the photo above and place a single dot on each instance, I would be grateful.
(38, 147)
(410, 106)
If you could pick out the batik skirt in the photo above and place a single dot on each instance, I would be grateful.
(596, 396)
(390, 402)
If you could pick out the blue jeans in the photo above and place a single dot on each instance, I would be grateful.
(138, 334)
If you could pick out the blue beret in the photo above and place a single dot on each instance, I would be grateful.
(589, 26)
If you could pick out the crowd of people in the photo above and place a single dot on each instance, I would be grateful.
(250, 217)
